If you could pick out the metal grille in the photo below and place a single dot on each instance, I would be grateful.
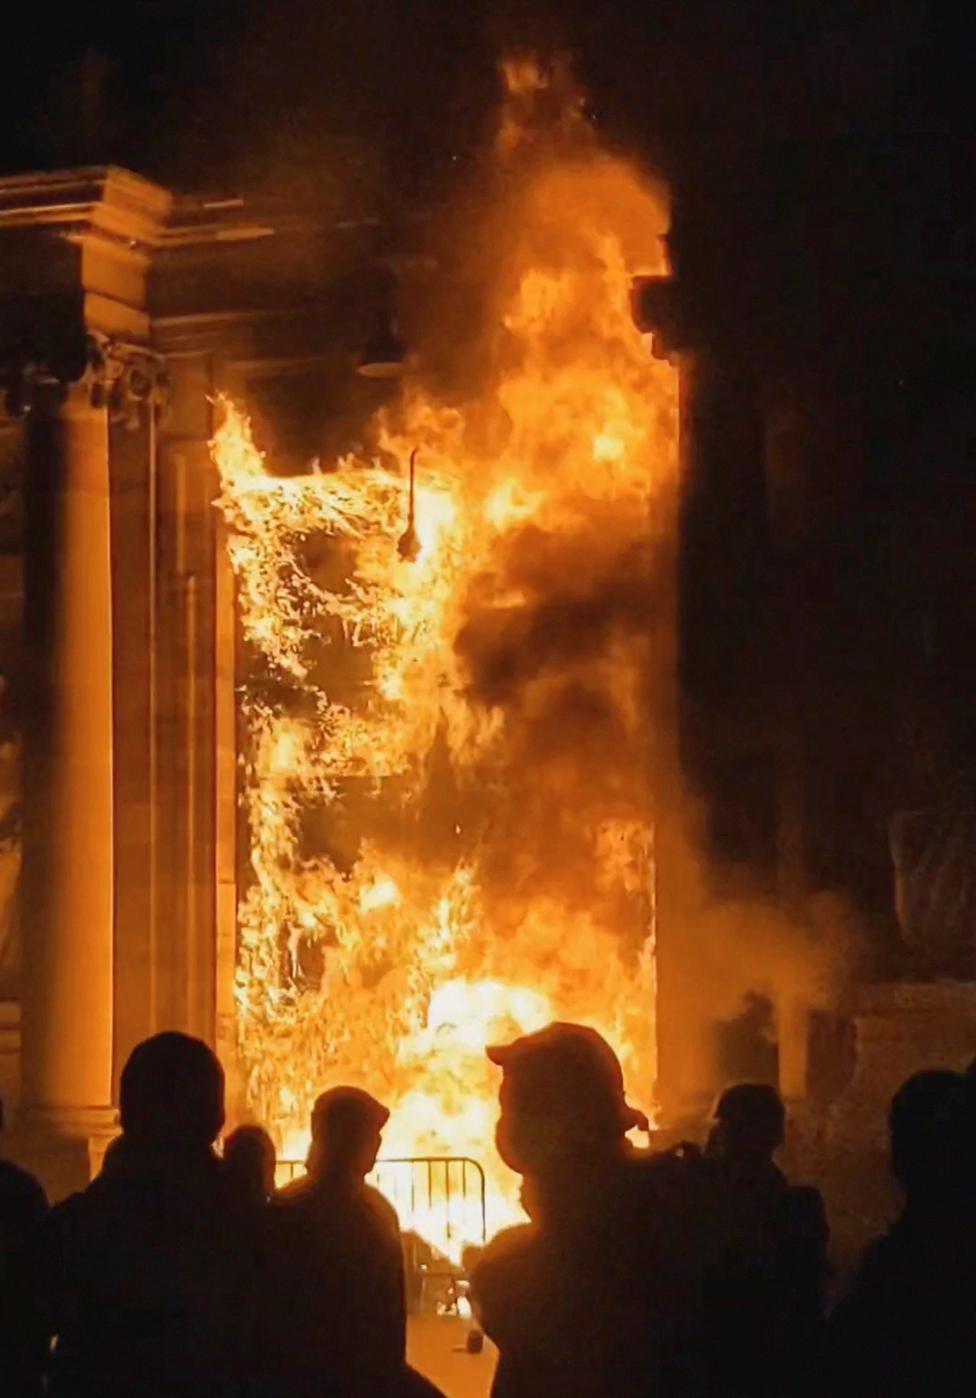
(440, 1196)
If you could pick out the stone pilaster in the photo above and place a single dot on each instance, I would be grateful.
(77, 369)
(67, 907)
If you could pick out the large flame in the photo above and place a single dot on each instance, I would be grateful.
(449, 762)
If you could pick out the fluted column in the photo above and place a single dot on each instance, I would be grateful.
(75, 360)
(68, 807)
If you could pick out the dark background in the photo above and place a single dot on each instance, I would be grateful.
(820, 156)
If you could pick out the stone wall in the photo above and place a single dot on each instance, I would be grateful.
(900, 1028)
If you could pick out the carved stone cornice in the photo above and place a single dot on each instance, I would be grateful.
(75, 253)
(114, 203)
(127, 380)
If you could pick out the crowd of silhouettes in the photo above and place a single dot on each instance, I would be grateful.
(696, 1272)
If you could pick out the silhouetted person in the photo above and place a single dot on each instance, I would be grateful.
(23, 1206)
(144, 1266)
(599, 1294)
(337, 1262)
(907, 1326)
(765, 1293)
(250, 1161)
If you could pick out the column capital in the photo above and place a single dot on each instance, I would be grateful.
(99, 371)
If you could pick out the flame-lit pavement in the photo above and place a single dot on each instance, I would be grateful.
(436, 1348)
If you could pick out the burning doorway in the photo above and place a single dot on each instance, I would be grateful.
(453, 712)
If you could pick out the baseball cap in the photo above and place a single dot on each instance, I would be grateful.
(568, 1070)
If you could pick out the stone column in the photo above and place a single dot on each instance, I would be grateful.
(68, 806)
(187, 795)
(77, 247)
(146, 929)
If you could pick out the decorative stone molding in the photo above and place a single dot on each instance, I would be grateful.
(126, 379)
(116, 203)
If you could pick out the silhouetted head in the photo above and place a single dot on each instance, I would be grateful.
(172, 1093)
(921, 1122)
(249, 1163)
(749, 1124)
(347, 1127)
(562, 1097)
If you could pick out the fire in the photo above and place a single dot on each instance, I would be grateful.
(448, 761)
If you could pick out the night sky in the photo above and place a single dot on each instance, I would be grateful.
(770, 118)
(189, 91)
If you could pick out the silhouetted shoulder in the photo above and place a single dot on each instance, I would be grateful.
(875, 1261)
(502, 1274)
(292, 1193)
(504, 1258)
(676, 1180)
(65, 1222)
(681, 1168)
(22, 1199)
(803, 1212)
(382, 1209)
(508, 1246)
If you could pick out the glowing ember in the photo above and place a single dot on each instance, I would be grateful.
(449, 757)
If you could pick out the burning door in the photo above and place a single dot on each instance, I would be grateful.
(449, 751)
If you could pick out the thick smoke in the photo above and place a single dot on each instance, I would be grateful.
(570, 633)
(576, 605)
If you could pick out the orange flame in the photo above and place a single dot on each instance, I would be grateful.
(448, 786)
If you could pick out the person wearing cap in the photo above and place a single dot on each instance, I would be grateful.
(597, 1295)
(764, 1308)
(749, 1127)
(337, 1262)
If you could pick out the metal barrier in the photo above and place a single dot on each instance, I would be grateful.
(437, 1196)
(441, 1198)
